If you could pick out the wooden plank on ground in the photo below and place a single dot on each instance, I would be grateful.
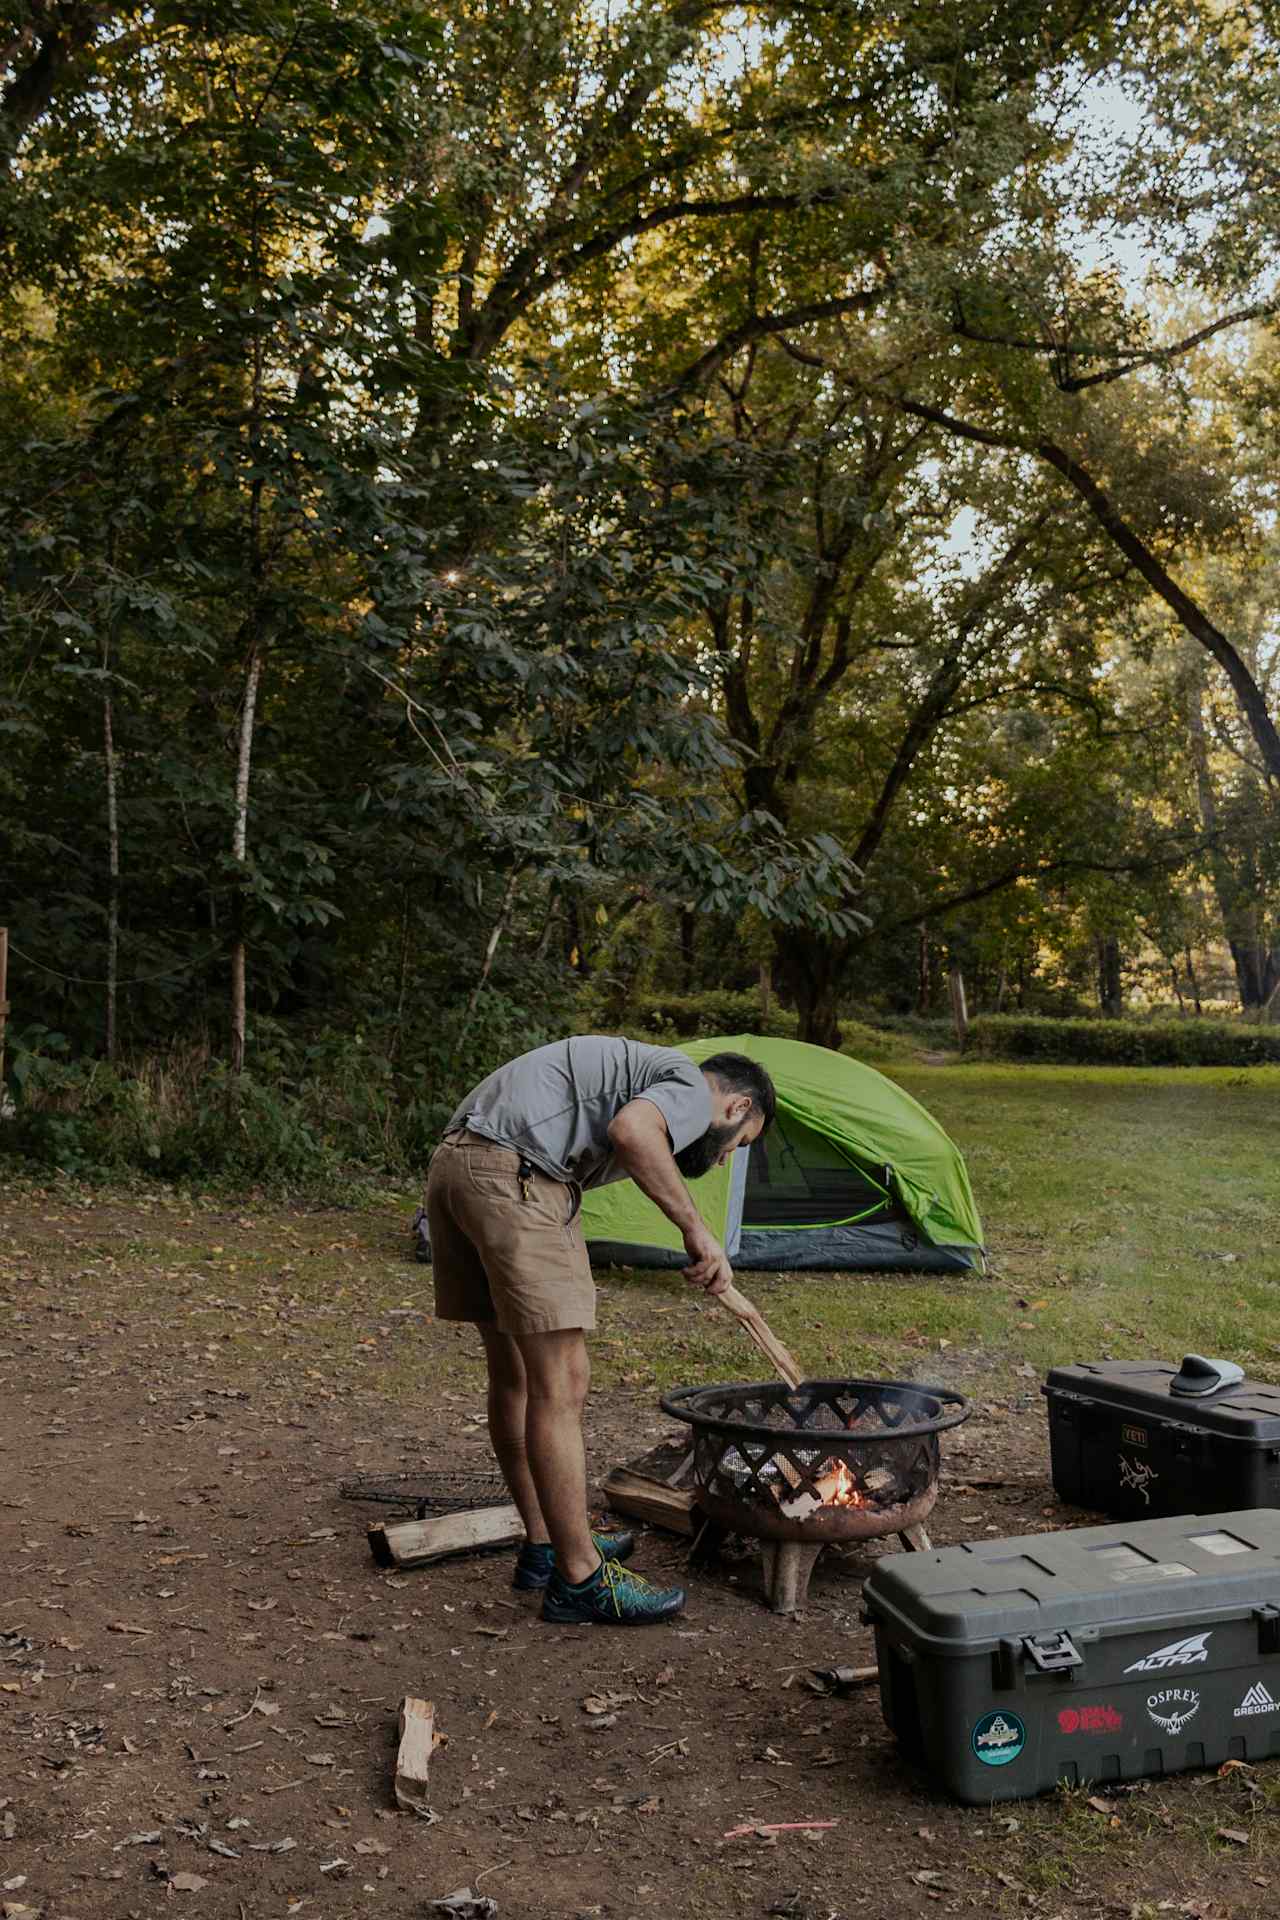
(417, 1543)
(652, 1500)
(413, 1761)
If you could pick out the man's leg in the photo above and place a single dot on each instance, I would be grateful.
(507, 1416)
(557, 1374)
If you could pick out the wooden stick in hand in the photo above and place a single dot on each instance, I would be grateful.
(760, 1331)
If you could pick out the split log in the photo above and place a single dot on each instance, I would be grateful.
(417, 1543)
(760, 1331)
(418, 1740)
(652, 1500)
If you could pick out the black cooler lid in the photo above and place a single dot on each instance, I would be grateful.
(1246, 1410)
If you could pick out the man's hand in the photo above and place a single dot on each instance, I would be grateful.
(709, 1263)
(638, 1136)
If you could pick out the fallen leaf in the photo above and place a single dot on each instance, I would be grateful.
(220, 1846)
(122, 1626)
(926, 1877)
(1236, 1835)
(139, 1840)
(372, 1846)
(1100, 1805)
(188, 1882)
(321, 1760)
(272, 1846)
(262, 1606)
(605, 1702)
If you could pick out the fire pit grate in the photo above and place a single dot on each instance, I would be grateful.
(428, 1493)
(828, 1460)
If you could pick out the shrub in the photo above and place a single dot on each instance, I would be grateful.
(1123, 1043)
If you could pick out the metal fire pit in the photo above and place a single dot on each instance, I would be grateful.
(763, 1456)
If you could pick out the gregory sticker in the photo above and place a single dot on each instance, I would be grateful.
(1137, 1475)
(1257, 1700)
(999, 1738)
(1172, 1707)
(1090, 1720)
(1178, 1653)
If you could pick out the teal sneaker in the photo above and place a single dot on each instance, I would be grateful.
(612, 1597)
(536, 1564)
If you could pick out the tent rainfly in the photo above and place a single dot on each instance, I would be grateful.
(854, 1175)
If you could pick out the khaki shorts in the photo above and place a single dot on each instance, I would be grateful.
(498, 1258)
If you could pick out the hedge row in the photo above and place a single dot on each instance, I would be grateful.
(1123, 1043)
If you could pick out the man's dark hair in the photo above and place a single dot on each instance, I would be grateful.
(737, 1074)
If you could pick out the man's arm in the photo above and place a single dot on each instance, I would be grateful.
(638, 1136)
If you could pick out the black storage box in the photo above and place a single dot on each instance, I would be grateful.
(1135, 1439)
(1102, 1653)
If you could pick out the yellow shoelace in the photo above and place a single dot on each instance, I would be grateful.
(614, 1575)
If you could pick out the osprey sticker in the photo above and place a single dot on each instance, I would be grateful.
(1178, 1653)
(1257, 1700)
(999, 1738)
(1172, 1707)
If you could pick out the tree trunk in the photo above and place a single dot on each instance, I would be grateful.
(1110, 987)
(1239, 923)
(240, 854)
(809, 972)
(1195, 984)
(924, 985)
(959, 1005)
(686, 949)
(113, 876)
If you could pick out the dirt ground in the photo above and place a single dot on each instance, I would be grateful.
(200, 1665)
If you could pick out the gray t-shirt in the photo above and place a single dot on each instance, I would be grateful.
(555, 1104)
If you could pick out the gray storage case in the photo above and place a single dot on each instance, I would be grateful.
(1103, 1653)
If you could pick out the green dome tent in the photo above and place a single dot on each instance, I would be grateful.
(853, 1175)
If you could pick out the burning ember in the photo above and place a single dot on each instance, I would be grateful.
(836, 1487)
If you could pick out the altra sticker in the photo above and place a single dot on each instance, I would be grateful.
(1191, 1652)
(999, 1738)
(1172, 1707)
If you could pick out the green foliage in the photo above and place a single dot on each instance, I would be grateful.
(1123, 1043)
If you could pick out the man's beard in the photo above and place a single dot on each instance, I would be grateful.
(701, 1155)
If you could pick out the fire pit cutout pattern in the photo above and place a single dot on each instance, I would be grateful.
(826, 1461)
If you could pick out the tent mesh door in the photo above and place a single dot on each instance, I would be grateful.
(798, 1178)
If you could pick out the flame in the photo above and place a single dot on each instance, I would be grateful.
(836, 1487)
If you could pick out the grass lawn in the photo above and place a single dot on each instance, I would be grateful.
(1128, 1212)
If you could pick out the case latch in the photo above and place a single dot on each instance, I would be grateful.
(1053, 1652)
(1268, 1619)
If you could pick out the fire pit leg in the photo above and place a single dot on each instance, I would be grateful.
(787, 1565)
(916, 1540)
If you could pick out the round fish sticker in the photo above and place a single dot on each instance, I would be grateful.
(999, 1738)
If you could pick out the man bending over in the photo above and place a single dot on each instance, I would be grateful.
(507, 1252)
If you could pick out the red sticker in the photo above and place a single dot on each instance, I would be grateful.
(1090, 1720)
